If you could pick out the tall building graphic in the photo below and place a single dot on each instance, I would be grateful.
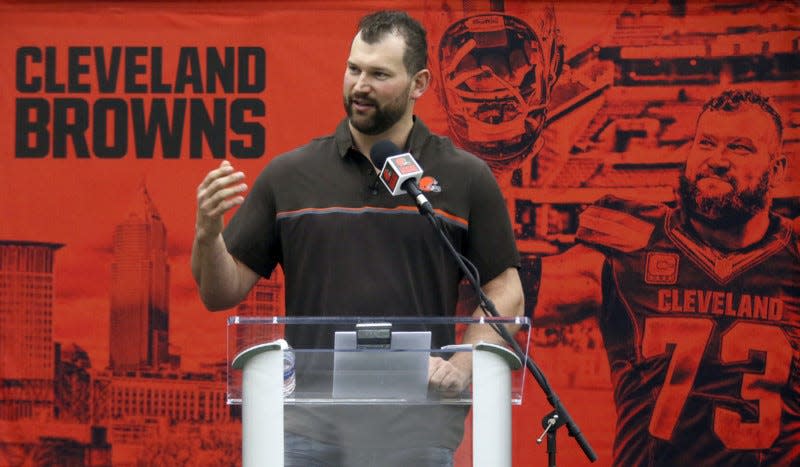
(43, 401)
(26, 329)
(139, 290)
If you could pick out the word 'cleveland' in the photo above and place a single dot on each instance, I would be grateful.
(720, 303)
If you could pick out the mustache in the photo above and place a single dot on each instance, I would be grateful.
(363, 98)
(725, 178)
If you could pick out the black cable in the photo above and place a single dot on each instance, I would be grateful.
(490, 310)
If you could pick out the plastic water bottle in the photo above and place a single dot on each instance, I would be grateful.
(288, 369)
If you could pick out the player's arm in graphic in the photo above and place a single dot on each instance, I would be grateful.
(567, 287)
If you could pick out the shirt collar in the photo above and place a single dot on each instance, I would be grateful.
(416, 139)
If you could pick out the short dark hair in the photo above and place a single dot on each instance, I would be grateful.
(375, 26)
(732, 99)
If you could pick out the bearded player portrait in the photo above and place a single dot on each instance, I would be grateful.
(697, 302)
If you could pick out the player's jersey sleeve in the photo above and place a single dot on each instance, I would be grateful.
(619, 225)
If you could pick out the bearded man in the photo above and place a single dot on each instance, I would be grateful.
(698, 304)
(349, 249)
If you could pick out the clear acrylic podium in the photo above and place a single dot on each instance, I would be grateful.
(299, 374)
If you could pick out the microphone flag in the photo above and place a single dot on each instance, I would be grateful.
(397, 169)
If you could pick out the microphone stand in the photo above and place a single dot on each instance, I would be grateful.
(559, 416)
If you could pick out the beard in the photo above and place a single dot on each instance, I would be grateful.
(726, 210)
(383, 118)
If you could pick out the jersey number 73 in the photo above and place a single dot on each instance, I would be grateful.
(688, 338)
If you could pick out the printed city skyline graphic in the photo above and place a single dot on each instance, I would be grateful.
(58, 385)
(105, 347)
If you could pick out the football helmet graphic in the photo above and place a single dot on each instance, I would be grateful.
(496, 74)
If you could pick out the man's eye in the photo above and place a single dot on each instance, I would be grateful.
(706, 143)
(740, 148)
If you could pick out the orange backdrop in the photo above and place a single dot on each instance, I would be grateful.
(51, 81)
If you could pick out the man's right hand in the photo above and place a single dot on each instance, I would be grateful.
(222, 280)
(218, 193)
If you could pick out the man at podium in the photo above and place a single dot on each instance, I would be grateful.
(349, 248)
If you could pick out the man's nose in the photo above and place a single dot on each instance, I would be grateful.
(719, 161)
(363, 83)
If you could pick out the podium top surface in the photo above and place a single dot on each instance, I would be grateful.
(351, 320)
(376, 361)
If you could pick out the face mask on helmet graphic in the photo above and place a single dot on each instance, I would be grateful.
(496, 74)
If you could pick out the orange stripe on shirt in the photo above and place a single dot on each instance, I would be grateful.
(367, 209)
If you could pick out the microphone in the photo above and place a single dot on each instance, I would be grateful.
(400, 173)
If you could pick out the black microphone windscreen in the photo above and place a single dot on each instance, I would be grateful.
(383, 150)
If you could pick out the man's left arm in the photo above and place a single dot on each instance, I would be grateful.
(453, 376)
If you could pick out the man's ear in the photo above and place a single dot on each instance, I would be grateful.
(777, 170)
(420, 83)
